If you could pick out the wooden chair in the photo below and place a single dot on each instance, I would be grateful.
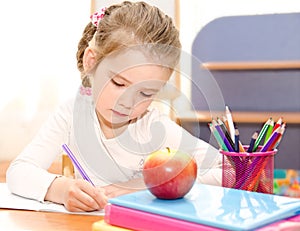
(67, 166)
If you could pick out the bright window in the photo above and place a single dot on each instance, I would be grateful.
(38, 64)
(38, 49)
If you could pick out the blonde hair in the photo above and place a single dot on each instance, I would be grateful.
(129, 24)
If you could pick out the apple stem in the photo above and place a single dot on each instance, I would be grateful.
(168, 149)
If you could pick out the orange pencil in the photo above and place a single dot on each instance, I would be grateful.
(225, 121)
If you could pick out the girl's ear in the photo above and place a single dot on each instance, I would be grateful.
(89, 59)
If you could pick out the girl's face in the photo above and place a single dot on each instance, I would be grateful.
(124, 86)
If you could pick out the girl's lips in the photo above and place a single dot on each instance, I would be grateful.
(119, 114)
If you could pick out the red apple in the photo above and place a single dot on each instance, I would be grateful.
(169, 174)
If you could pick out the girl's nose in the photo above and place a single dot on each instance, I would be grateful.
(127, 99)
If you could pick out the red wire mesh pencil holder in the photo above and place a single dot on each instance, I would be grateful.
(248, 171)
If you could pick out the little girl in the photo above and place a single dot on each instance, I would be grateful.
(126, 55)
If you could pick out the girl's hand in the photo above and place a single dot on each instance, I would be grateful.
(76, 195)
(118, 189)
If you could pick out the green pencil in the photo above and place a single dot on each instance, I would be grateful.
(218, 137)
(269, 131)
(261, 134)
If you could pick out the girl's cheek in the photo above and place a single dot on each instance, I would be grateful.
(140, 108)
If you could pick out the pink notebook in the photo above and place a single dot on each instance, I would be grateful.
(138, 220)
(209, 206)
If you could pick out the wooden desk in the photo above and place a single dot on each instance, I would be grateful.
(32, 220)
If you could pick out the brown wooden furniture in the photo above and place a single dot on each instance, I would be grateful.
(252, 65)
(239, 117)
(46, 221)
(32, 220)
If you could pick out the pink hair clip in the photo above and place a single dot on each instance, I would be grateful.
(97, 16)
(85, 90)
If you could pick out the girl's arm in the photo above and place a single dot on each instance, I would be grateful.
(27, 175)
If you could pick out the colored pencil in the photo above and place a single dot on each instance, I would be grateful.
(282, 132)
(76, 163)
(270, 142)
(278, 124)
(224, 129)
(225, 121)
(226, 142)
(241, 147)
(237, 140)
(269, 131)
(277, 140)
(252, 142)
(230, 122)
(217, 137)
(261, 134)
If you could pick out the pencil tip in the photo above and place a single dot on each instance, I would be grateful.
(255, 135)
(236, 131)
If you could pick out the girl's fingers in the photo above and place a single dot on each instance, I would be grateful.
(76, 205)
(85, 197)
(101, 198)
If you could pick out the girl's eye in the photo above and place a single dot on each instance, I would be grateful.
(147, 95)
(117, 83)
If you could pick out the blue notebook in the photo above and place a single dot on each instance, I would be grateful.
(215, 206)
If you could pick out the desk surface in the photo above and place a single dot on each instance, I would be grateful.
(32, 220)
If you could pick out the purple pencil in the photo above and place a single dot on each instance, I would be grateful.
(223, 136)
(270, 141)
(76, 163)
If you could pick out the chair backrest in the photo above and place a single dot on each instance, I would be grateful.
(67, 166)
(251, 38)
(269, 38)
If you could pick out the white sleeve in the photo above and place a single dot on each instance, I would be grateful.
(27, 175)
(208, 158)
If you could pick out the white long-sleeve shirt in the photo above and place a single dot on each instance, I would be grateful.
(106, 161)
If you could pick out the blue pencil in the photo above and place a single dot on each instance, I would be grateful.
(237, 140)
(252, 142)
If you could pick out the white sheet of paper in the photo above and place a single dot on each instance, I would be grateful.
(12, 201)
